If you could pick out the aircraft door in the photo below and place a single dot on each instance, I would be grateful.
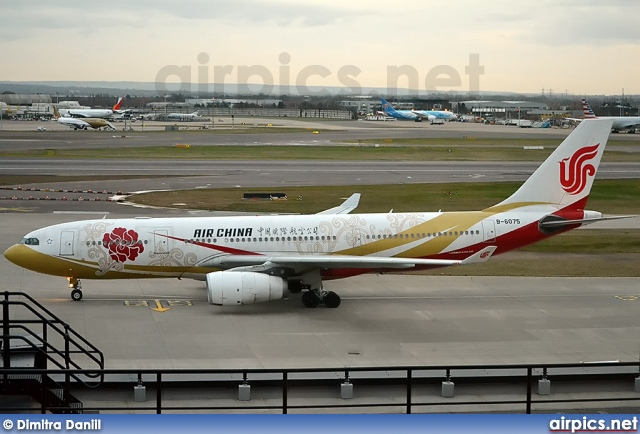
(489, 230)
(66, 243)
(357, 238)
(160, 241)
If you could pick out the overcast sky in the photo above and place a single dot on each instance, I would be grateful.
(574, 46)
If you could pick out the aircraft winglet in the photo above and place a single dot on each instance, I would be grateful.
(346, 207)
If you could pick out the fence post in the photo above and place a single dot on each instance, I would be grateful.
(244, 389)
(544, 384)
(346, 388)
(409, 382)
(529, 380)
(6, 342)
(158, 392)
(139, 390)
(285, 386)
(448, 386)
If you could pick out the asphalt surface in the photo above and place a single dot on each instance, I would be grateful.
(383, 320)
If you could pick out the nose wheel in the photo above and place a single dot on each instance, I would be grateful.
(76, 291)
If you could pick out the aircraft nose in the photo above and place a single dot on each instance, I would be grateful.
(19, 254)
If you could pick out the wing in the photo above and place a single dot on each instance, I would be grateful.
(424, 114)
(626, 123)
(346, 207)
(263, 264)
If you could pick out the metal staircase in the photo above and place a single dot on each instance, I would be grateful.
(34, 338)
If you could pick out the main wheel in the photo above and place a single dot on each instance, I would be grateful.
(310, 299)
(331, 299)
(76, 295)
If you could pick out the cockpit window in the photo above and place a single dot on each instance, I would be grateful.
(30, 241)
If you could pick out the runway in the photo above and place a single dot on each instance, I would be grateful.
(16, 135)
(383, 319)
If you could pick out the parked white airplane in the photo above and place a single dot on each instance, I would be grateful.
(418, 115)
(184, 116)
(81, 124)
(253, 259)
(92, 113)
(619, 122)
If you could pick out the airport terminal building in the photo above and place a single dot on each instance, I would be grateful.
(502, 109)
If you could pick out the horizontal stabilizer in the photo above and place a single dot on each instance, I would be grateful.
(563, 223)
(481, 256)
(346, 207)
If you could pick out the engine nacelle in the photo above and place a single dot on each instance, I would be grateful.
(235, 288)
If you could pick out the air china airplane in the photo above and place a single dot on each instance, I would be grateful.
(254, 259)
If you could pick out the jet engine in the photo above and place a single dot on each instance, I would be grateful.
(235, 288)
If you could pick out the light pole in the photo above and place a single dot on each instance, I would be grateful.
(165, 105)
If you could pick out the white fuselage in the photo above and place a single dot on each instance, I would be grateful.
(194, 246)
(87, 113)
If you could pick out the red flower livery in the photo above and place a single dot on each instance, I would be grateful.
(123, 244)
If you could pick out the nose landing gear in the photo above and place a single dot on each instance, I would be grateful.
(76, 292)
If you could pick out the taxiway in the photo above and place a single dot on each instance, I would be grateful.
(383, 319)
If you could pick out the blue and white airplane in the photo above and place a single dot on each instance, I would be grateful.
(417, 115)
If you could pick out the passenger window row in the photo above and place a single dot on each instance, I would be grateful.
(323, 238)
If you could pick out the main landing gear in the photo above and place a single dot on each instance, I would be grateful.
(314, 297)
(76, 292)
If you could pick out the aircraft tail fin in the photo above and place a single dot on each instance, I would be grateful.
(586, 109)
(56, 112)
(564, 179)
(118, 104)
(386, 107)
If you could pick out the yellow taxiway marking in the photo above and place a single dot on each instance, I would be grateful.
(12, 209)
(159, 307)
(175, 303)
(157, 304)
(627, 297)
(136, 303)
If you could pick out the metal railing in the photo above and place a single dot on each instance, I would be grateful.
(520, 377)
(67, 358)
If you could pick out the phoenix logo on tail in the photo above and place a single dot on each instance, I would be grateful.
(573, 176)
